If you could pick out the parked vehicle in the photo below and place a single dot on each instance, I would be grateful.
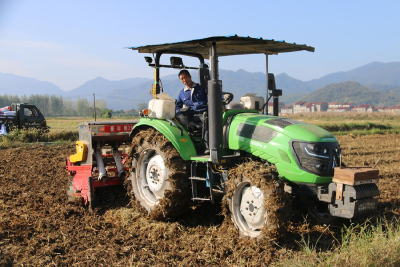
(22, 115)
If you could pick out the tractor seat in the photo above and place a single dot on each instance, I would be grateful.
(195, 127)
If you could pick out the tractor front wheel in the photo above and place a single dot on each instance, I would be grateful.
(256, 201)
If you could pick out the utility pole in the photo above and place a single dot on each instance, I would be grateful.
(94, 106)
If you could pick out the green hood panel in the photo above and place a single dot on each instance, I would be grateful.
(310, 132)
(294, 129)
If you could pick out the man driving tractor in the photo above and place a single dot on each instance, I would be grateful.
(192, 104)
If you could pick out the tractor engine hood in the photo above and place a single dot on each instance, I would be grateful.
(264, 128)
(296, 148)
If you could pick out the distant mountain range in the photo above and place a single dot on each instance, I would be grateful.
(354, 92)
(18, 85)
(372, 73)
(375, 83)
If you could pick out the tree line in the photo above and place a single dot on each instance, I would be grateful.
(57, 106)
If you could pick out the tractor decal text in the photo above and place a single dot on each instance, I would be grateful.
(117, 128)
(254, 143)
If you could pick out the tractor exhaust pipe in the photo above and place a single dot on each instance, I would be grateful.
(215, 109)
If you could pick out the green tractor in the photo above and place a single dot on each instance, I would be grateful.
(257, 161)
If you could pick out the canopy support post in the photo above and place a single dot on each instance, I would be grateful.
(266, 78)
(215, 108)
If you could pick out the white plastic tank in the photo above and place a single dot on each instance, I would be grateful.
(251, 101)
(163, 107)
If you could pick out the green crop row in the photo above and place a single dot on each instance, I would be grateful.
(355, 126)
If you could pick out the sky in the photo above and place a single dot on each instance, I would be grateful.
(71, 42)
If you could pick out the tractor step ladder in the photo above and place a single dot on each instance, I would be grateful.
(208, 180)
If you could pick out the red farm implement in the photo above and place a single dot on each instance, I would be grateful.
(101, 152)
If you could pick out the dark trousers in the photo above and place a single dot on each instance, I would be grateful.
(185, 120)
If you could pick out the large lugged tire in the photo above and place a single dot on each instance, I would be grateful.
(256, 201)
(159, 176)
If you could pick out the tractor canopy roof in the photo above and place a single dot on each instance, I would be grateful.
(227, 46)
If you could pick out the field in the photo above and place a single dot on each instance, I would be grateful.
(38, 227)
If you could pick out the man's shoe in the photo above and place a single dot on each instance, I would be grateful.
(207, 152)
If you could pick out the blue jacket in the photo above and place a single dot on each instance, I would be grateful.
(195, 99)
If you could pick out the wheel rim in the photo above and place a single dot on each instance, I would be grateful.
(152, 177)
(248, 209)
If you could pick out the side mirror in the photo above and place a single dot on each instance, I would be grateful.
(271, 82)
(176, 62)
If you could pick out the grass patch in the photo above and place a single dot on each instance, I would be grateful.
(63, 130)
(20, 137)
(347, 127)
(330, 118)
(58, 124)
(367, 132)
(361, 245)
(359, 129)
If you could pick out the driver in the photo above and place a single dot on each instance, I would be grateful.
(191, 104)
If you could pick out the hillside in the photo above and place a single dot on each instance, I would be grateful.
(291, 85)
(375, 72)
(353, 92)
(381, 87)
(103, 87)
(19, 85)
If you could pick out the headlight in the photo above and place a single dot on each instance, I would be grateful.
(317, 158)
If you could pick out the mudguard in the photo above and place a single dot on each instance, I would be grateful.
(179, 137)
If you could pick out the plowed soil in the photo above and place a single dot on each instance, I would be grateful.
(38, 227)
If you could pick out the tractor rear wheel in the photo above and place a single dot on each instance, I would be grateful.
(256, 201)
(159, 176)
